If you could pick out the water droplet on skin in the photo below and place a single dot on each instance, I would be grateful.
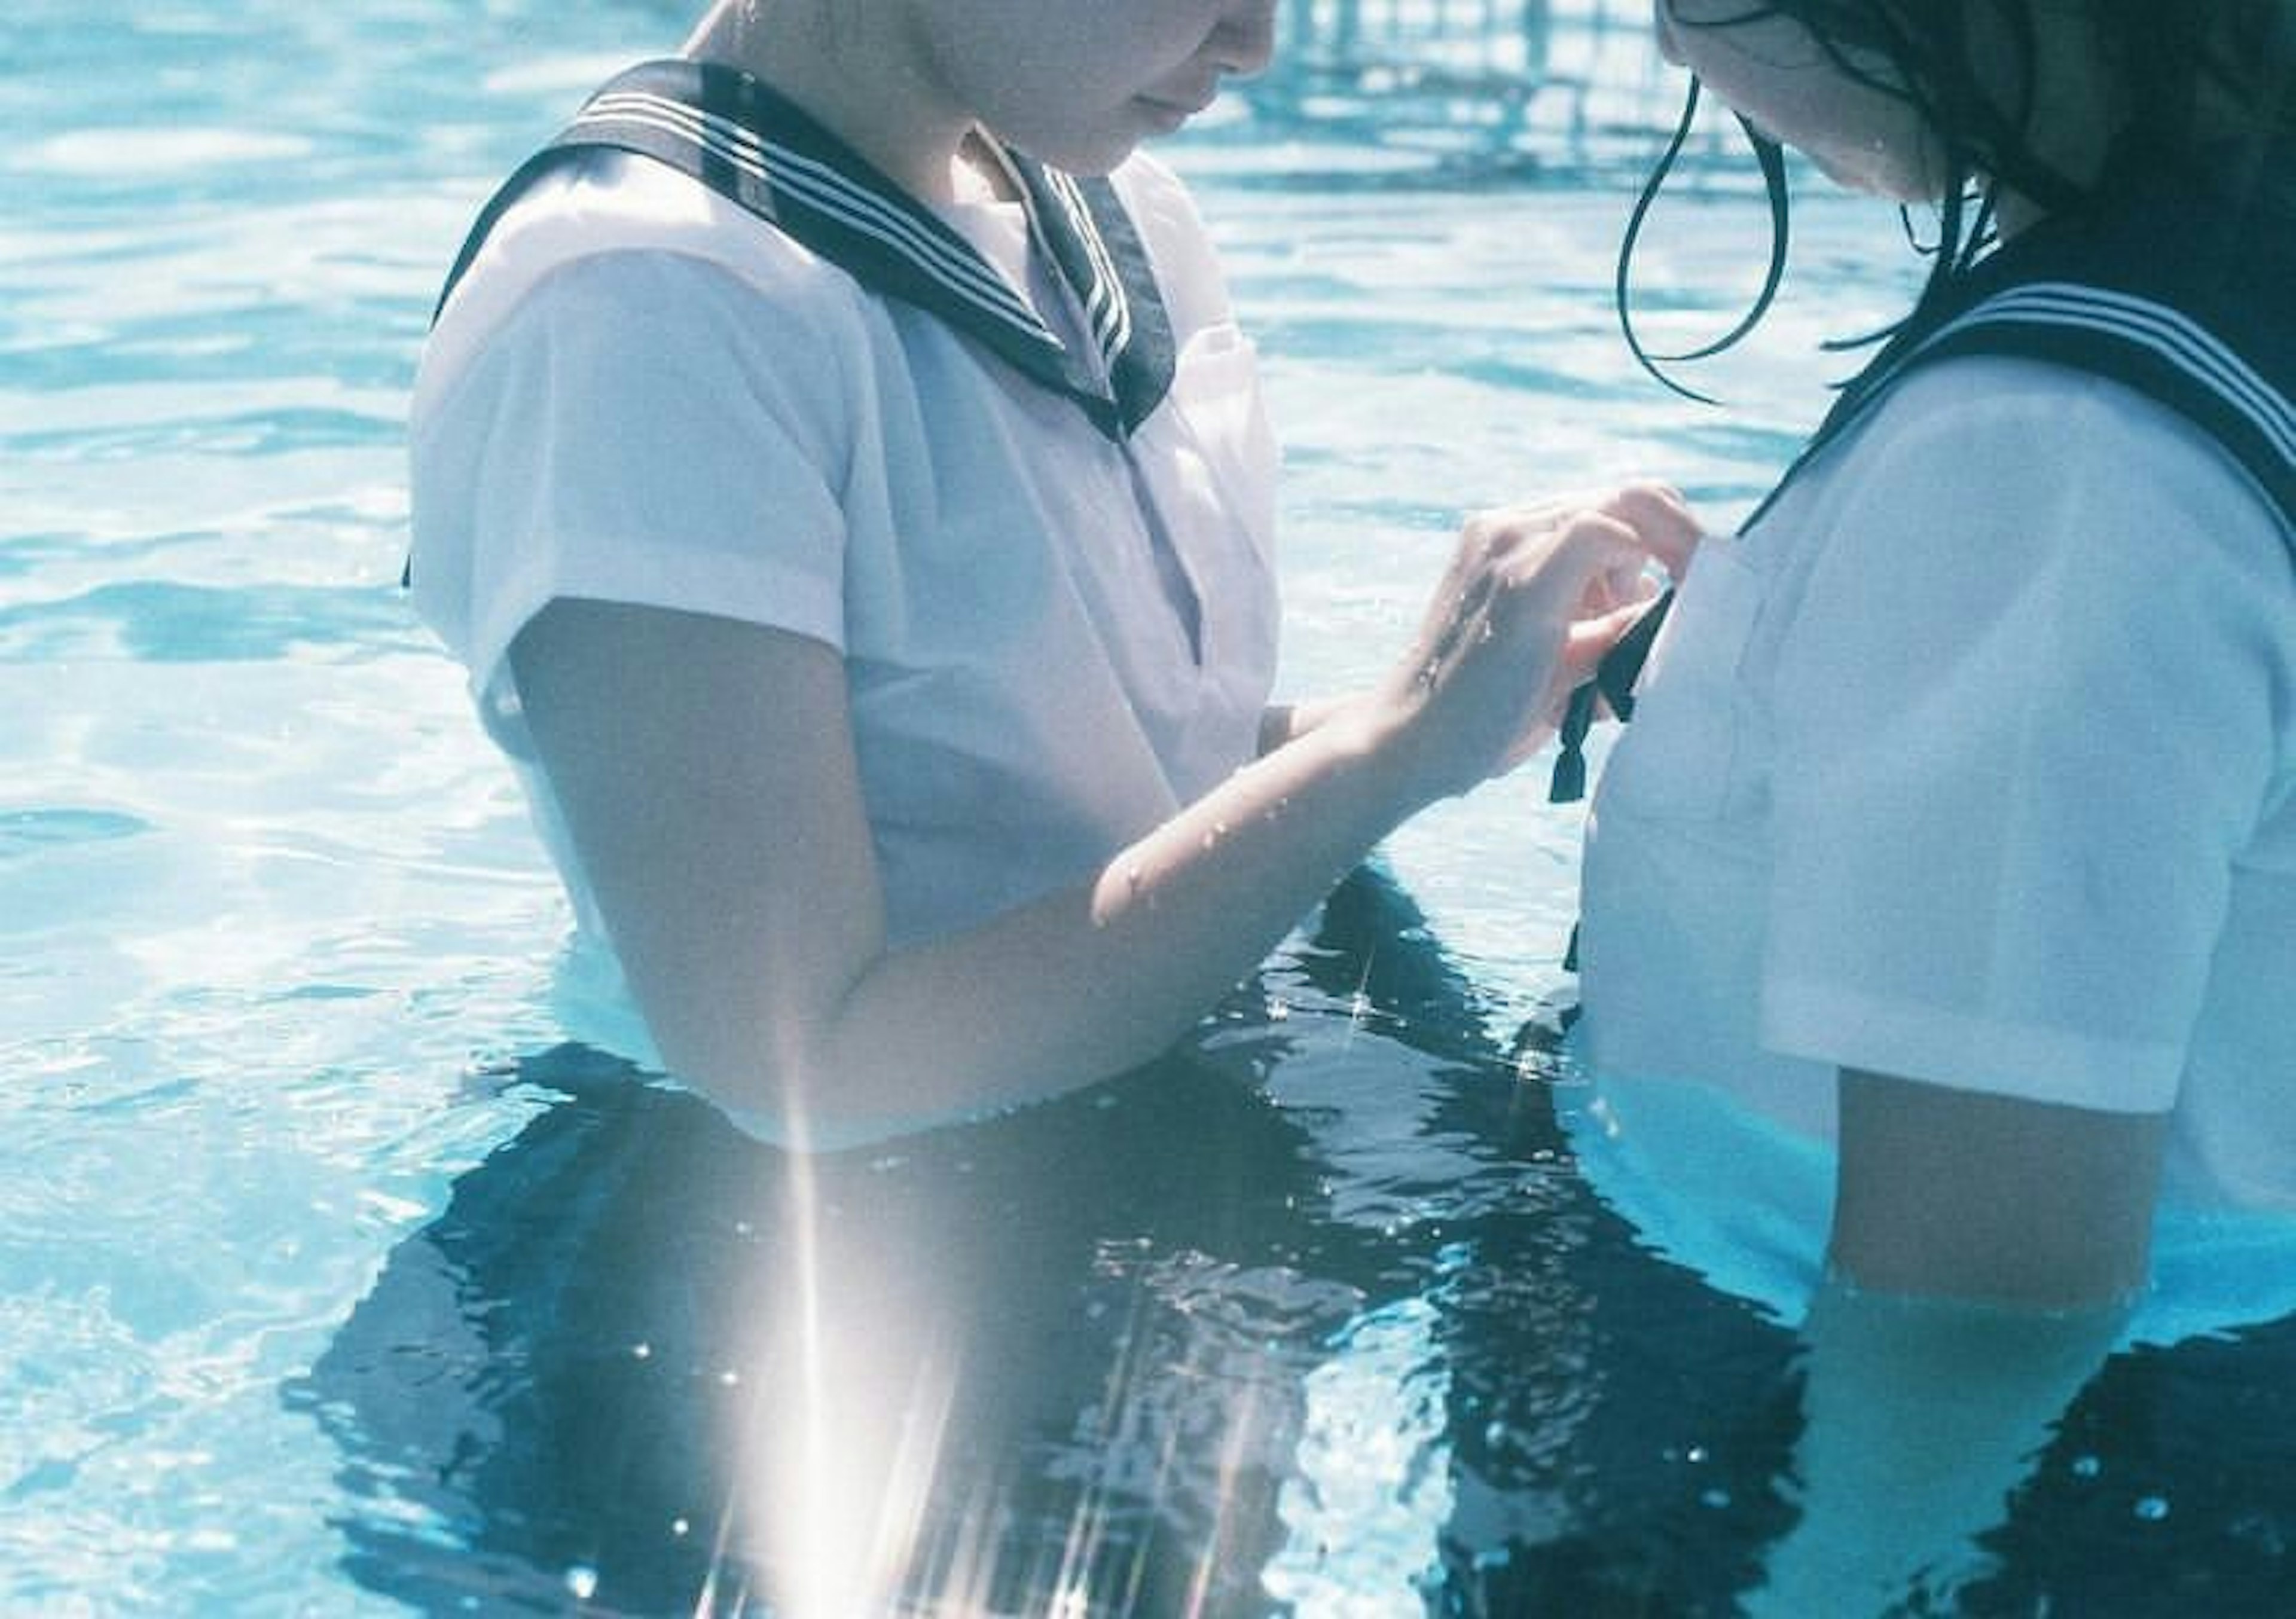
(582, 1582)
(680, 1527)
(641, 1350)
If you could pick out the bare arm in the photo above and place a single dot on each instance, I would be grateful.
(1956, 1194)
(1283, 723)
(1984, 1253)
(707, 774)
(1921, 1417)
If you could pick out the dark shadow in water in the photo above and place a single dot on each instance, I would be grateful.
(2169, 1490)
(1617, 1431)
(1095, 1317)
(587, 1361)
(1094, 1321)
(1091, 1316)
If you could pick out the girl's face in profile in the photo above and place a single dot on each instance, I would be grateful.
(1080, 83)
(1772, 71)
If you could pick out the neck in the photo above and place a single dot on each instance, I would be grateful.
(2070, 125)
(852, 71)
(2014, 213)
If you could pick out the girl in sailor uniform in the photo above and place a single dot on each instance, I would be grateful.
(837, 465)
(1940, 900)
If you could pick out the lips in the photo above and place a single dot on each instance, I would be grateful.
(1164, 117)
(1182, 106)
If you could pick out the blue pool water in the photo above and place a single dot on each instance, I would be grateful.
(332, 1283)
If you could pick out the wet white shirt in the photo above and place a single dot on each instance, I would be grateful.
(1975, 764)
(641, 393)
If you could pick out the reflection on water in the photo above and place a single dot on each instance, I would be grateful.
(1316, 1317)
(1321, 1319)
(1149, 1349)
(1559, 81)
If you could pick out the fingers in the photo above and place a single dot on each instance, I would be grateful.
(1573, 572)
(1533, 597)
(1588, 640)
(1659, 520)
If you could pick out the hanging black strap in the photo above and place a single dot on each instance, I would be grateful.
(1613, 683)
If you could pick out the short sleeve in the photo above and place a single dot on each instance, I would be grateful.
(644, 427)
(2025, 722)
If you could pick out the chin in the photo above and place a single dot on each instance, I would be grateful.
(1889, 182)
(1084, 152)
(1093, 158)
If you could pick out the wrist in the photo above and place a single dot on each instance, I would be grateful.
(1379, 743)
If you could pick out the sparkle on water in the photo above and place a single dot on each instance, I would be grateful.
(333, 1283)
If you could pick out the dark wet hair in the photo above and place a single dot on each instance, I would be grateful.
(2204, 86)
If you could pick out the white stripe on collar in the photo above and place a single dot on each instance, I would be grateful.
(2175, 338)
(1110, 310)
(830, 191)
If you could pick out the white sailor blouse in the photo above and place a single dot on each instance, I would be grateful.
(698, 355)
(1972, 756)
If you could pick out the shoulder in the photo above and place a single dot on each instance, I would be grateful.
(1994, 447)
(2011, 537)
(621, 235)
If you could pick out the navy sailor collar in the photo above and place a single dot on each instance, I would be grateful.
(756, 148)
(2166, 290)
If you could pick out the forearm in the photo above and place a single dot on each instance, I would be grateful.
(1283, 722)
(1985, 1252)
(1103, 976)
(708, 772)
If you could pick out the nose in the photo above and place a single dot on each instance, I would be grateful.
(1244, 42)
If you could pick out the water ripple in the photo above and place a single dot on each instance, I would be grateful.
(159, 622)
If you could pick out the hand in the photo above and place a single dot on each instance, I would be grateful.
(1533, 597)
